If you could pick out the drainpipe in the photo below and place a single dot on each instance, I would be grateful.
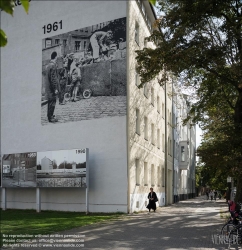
(173, 148)
(127, 112)
(166, 184)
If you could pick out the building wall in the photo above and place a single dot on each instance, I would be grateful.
(21, 128)
(146, 150)
(184, 136)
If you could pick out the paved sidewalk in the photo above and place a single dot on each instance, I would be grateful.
(87, 109)
(187, 225)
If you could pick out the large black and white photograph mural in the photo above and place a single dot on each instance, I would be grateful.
(19, 170)
(63, 168)
(84, 73)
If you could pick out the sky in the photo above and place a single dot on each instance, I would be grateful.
(198, 135)
(62, 155)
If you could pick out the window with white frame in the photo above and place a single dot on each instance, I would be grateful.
(182, 153)
(146, 173)
(152, 175)
(158, 176)
(170, 147)
(145, 43)
(136, 33)
(137, 171)
(146, 91)
(163, 177)
(146, 128)
(163, 110)
(137, 77)
(138, 121)
(158, 104)
(152, 96)
(158, 138)
(153, 134)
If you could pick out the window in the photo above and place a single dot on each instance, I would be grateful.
(182, 153)
(163, 142)
(163, 177)
(146, 90)
(158, 176)
(170, 148)
(158, 104)
(77, 45)
(163, 110)
(48, 43)
(137, 121)
(143, 8)
(57, 41)
(153, 134)
(137, 171)
(137, 78)
(146, 128)
(149, 24)
(64, 42)
(145, 43)
(152, 175)
(145, 173)
(85, 44)
(158, 138)
(152, 96)
(136, 33)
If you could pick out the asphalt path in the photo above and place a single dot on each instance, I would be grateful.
(188, 225)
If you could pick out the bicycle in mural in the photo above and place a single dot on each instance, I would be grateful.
(85, 93)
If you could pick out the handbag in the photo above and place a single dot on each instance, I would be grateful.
(156, 199)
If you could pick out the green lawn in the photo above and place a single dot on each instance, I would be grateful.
(29, 222)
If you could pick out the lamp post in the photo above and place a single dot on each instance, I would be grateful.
(64, 164)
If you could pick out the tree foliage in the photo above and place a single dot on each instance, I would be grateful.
(200, 42)
(8, 7)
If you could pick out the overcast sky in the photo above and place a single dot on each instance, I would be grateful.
(62, 155)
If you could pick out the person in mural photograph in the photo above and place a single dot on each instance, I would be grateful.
(52, 86)
(152, 200)
(63, 81)
(99, 42)
(75, 80)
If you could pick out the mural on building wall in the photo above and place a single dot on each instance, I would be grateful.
(19, 170)
(63, 168)
(84, 73)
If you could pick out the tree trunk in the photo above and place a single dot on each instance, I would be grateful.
(238, 197)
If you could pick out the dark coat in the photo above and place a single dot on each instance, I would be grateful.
(52, 81)
(152, 204)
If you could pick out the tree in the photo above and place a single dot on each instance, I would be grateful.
(200, 42)
(8, 7)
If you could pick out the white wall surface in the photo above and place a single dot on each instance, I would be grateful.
(21, 129)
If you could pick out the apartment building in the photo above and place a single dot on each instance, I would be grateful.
(128, 130)
(184, 148)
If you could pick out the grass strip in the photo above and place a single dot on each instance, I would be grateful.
(29, 222)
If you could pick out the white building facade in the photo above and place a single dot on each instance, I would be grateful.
(184, 148)
(128, 131)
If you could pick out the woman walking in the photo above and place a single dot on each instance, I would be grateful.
(152, 200)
